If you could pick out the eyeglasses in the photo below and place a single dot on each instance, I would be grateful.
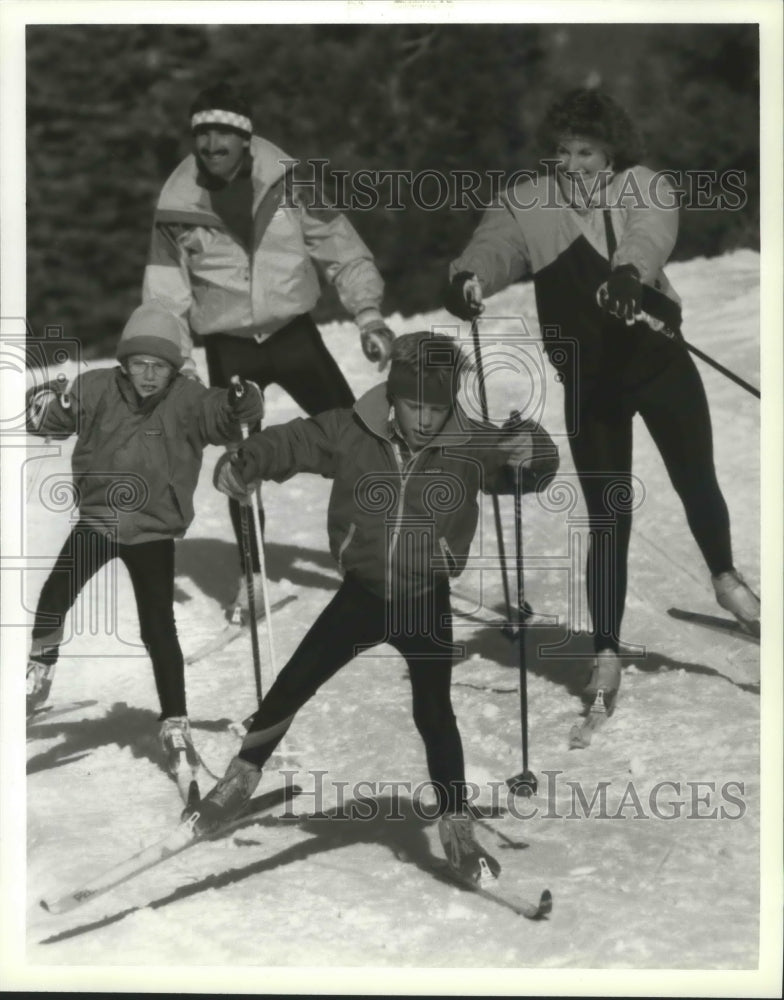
(159, 368)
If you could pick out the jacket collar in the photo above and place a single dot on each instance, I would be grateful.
(182, 192)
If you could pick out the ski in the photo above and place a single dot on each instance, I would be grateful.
(490, 889)
(183, 836)
(582, 733)
(729, 626)
(231, 632)
(507, 629)
(186, 775)
(47, 712)
(495, 891)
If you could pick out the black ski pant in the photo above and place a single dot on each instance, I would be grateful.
(296, 359)
(150, 565)
(355, 619)
(674, 407)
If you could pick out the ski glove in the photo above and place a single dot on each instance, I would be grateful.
(38, 399)
(227, 479)
(532, 455)
(246, 401)
(377, 340)
(464, 296)
(621, 294)
(188, 369)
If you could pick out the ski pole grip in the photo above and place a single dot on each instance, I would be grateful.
(236, 391)
(62, 388)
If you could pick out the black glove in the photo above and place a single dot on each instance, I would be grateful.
(463, 297)
(532, 458)
(246, 401)
(621, 294)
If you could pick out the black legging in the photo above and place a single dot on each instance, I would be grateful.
(675, 410)
(151, 568)
(296, 359)
(356, 619)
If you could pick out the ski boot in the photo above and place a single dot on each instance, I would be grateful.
(229, 797)
(734, 595)
(467, 859)
(39, 682)
(182, 760)
(605, 676)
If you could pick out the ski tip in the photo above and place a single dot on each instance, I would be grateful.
(56, 907)
(193, 797)
(577, 739)
(545, 905)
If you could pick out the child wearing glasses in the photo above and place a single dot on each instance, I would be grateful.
(142, 428)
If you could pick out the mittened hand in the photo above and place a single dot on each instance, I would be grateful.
(464, 296)
(522, 451)
(227, 479)
(377, 340)
(246, 400)
(621, 294)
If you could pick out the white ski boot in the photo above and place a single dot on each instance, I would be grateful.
(605, 676)
(734, 595)
(230, 796)
(468, 860)
(182, 760)
(39, 683)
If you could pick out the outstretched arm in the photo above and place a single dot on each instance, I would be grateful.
(280, 452)
(347, 263)
(496, 255)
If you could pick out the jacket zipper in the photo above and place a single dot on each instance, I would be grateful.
(345, 544)
(405, 475)
(446, 552)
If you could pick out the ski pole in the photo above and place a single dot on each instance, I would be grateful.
(724, 371)
(660, 327)
(507, 630)
(238, 391)
(524, 783)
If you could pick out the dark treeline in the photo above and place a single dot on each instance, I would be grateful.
(107, 122)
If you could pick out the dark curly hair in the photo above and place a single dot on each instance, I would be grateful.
(597, 116)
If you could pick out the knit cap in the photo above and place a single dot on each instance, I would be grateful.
(151, 329)
(224, 105)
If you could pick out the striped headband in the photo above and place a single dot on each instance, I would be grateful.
(222, 118)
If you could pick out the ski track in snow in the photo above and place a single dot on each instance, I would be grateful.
(628, 893)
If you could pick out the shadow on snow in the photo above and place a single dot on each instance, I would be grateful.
(390, 821)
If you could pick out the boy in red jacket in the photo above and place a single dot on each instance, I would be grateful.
(407, 464)
(142, 428)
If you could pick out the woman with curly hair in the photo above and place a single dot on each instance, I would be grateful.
(594, 230)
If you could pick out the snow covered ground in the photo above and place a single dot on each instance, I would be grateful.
(660, 872)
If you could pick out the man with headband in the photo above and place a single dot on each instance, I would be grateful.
(236, 252)
(407, 464)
